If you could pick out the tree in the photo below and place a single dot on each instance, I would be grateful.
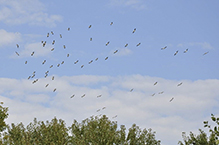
(215, 129)
(3, 116)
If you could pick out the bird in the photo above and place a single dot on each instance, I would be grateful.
(103, 108)
(51, 66)
(68, 29)
(99, 96)
(46, 75)
(98, 110)
(47, 34)
(91, 39)
(72, 96)
(134, 30)
(47, 85)
(60, 35)
(67, 55)
(64, 46)
(58, 65)
(25, 62)
(53, 42)
(186, 50)
(89, 26)
(179, 84)
(17, 53)
(206, 53)
(111, 23)
(138, 44)
(155, 83)
(35, 81)
(53, 77)
(62, 62)
(29, 77)
(32, 53)
(96, 59)
(126, 44)
(131, 89)
(82, 66)
(161, 92)
(76, 61)
(176, 52)
(164, 48)
(44, 62)
(106, 58)
(153, 94)
(114, 116)
(44, 44)
(54, 90)
(83, 96)
(171, 99)
(17, 45)
(107, 43)
(33, 76)
(90, 61)
(52, 33)
(47, 72)
(115, 51)
(52, 49)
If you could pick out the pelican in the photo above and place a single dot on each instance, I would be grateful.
(47, 85)
(83, 96)
(91, 39)
(107, 43)
(60, 35)
(106, 58)
(25, 62)
(52, 49)
(164, 48)
(53, 42)
(98, 110)
(52, 33)
(176, 52)
(96, 59)
(114, 116)
(72, 96)
(17, 45)
(171, 99)
(34, 81)
(161, 92)
(134, 30)
(58, 65)
(111, 23)
(155, 83)
(54, 90)
(115, 51)
(76, 61)
(68, 29)
(33, 76)
(46, 75)
(206, 53)
(17, 53)
(90, 61)
(44, 44)
(29, 77)
(138, 44)
(89, 26)
(64, 46)
(51, 66)
(42, 41)
(82, 66)
(44, 61)
(103, 108)
(67, 55)
(153, 94)
(186, 50)
(53, 77)
(179, 84)
(126, 44)
(47, 34)
(131, 89)
(32, 53)
(47, 72)
(62, 62)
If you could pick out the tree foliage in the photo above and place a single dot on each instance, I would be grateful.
(3, 116)
(91, 131)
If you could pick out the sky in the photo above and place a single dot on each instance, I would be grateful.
(146, 62)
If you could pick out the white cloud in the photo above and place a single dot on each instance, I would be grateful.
(192, 104)
(7, 38)
(135, 4)
(203, 45)
(17, 12)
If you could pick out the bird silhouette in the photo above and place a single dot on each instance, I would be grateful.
(126, 44)
(107, 43)
(17, 45)
(115, 51)
(138, 44)
(17, 53)
(176, 52)
(186, 50)
(111, 23)
(164, 48)
(89, 26)
(134, 30)
(171, 99)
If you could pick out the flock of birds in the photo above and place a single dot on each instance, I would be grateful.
(44, 43)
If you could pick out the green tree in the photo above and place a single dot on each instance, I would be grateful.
(3, 116)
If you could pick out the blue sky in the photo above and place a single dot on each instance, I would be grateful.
(179, 25)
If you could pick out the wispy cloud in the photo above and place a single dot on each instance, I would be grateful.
(137, 106)
(135, 4)
(26, 12)
(203, 45)
(7, 38)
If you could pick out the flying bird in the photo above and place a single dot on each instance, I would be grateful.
(111, 23)
(44, 44)
(64, 46)
(138, 44)
(114, 116)
(153, 94)
(134, 30)
(161, 92)
(107, 43)
(72, 96)
(54, 90)
(89, 26)
(98, 110)
(52, 33)
(90, 61)
(83, 96)
(44, 62)
(96, 59)
(176, 52)
(34, 81)
(29, 77)
(126, 44)
(67, 55)
(164, 48)
(52, 49)
(68, 29)
(206, 53)
(155, 83)
(106, 58)
(91, 39)
(17, 53)
(47, 85)
(17, 45)
(47, 34)
(82, 66)
(53, 77)
(60, 35)
(115, 51)
(103, 108)
(99, 96)
(58, 65)
(76, 61)
(171, 99)
(186, 50)
(53, 42)
(32, 53)
(51, 66)
(179, 84)
(62, 62)
(131, 89)
(25, 62)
